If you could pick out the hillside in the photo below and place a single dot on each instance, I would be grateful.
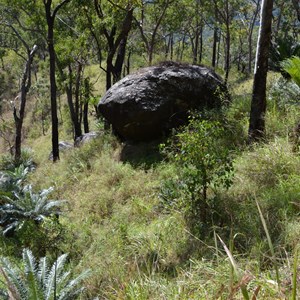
(126, 219)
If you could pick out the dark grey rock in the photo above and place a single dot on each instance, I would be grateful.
(147, 104)
(63, 146)
(85, 138)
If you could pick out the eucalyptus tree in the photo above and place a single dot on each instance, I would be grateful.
(226, 11)
(22, 43)
(258, 103)
(72, 55)
(109, 24)
(148, 19)
(256, 5)
(37, 19)
(194, 25)
(173, 27)
(243, 30)
(51, 8)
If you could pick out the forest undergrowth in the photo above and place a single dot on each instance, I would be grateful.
(161, 221)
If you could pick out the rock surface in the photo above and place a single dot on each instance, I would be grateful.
(85, 138)
(63, 146)
(147, 104)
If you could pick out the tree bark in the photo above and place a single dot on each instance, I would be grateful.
(250, 37)
(50, 18)
(87, 92)
(227, 41)
(215, 38)
(214, 50)
(25, 86)
(297, 8)
(258, 104)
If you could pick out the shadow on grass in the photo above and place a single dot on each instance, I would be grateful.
(142, 154)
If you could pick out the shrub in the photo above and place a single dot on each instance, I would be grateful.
(8, 163)
(204, 165)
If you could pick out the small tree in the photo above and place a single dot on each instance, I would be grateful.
(204, 164)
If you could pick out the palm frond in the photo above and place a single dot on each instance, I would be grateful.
(30, 272)
(54, 275)
(28, 205)
(38, 282)
(15, 283)
(42, 270)
(71, 291)
(292, 67)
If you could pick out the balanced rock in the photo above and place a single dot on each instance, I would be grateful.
(147, 104)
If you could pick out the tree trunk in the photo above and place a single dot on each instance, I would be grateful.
(214, 48)
(87, 95)
(196, 46)
(201, 44)
(50, 17)
(297, 8)
(25, 86)
(85, 118)
(54, 118)
(77, 124)
(51, 50)
(215, 40)
(120, 60)
(227, 44)
(258, 104)
(250, 37)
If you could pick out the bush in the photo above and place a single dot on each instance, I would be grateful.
(8, 163)
(204, 165)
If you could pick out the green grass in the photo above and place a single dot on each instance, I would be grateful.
(140, 247)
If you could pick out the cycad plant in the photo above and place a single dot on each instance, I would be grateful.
(292, 67)
(38, 281)
(283, 48)
(13, 181)
(27, 205)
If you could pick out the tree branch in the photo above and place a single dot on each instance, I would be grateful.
(59, 6)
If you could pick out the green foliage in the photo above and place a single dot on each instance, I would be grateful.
(8, 163)
(27, 205)
(12, 181)
(284, 48)
(284, 92)
(36, 280)
(204, 166)
(292, 67)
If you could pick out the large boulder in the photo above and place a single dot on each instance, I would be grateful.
(147, 104)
